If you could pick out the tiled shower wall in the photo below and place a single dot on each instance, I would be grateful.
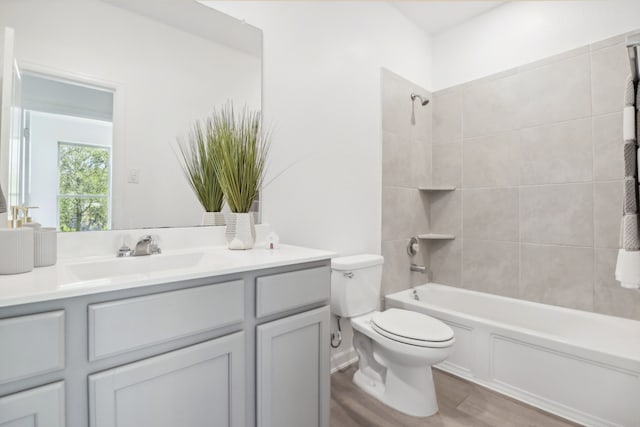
(406, 164)
(536, 156)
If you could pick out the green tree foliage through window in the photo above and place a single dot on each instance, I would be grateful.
(83, 201)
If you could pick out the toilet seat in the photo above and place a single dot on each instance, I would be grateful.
(412, 328)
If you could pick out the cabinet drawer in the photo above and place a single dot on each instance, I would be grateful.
(31, 345)
(120, 326)
(287, 291)
(39, 407)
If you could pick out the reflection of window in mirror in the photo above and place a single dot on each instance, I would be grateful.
(83, 176)
(63, 161)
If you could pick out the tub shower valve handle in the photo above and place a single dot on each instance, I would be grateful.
(413, 247)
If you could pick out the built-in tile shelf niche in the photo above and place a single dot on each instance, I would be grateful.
(437, 188)
(436, 236)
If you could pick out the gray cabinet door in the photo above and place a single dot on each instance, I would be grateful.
(38, 407)
(293, 371)
(197, 386)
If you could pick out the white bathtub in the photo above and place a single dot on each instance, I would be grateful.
(579, 365)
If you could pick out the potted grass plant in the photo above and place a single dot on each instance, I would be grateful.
(239, 161)
(197, 163)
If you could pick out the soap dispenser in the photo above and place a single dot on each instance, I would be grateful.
(15, 221)
(27, 221)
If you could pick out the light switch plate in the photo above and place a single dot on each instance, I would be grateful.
(134, 176)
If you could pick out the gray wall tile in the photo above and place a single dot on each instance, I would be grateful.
(609, 69)
(607, 212)
(445, 261)
(556, 92)
(557, 153)
(420, 163)
(397, 215)
(558, 275)
(490, 214)
(555, 242)
(608, 144)
(419, 211)
(490, 266)
(447, 164)
(554, 58)
(620, 38)
(557, 214)
(491, 161)
(445, 212)
(396, 105)
(447, 117)
(395, 272)
(422, 258)
(421, 128)
(396, 155)
(491, 106)
(406, 164)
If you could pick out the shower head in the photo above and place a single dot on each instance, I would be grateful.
(423, 100)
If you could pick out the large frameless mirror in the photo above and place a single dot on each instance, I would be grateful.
(101, 92)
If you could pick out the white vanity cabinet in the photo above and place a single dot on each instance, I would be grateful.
(249, 348)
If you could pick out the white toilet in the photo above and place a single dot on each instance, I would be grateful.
(396, 348)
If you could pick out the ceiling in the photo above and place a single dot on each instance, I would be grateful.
(438, 16)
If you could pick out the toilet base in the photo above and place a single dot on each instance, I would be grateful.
(410, 391)
(373, 387)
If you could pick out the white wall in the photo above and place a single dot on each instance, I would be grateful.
(164, 78)
(321, 90)
(521, 32)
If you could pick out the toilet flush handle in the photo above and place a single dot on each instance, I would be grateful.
(349, 274)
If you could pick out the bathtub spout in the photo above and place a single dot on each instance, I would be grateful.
(418, 268)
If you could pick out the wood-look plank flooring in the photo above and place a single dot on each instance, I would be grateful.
(461, 404)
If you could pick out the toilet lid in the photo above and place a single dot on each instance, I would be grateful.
(411, 327)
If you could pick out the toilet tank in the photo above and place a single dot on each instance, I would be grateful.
(355, 284)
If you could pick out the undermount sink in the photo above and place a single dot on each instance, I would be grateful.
(130, 266)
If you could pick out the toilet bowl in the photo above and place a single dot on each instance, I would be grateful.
(396, 369)
(396, 348)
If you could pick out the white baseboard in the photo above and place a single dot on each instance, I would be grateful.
(343, 359)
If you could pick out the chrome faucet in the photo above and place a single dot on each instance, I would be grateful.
(147, 245)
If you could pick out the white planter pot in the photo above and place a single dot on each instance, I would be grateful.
(241, 231)
(213, 218)
(46, 246)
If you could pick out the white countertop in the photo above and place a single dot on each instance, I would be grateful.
(64, 279)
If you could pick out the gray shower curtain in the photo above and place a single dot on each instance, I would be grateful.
(630, 234)
(628, 265)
